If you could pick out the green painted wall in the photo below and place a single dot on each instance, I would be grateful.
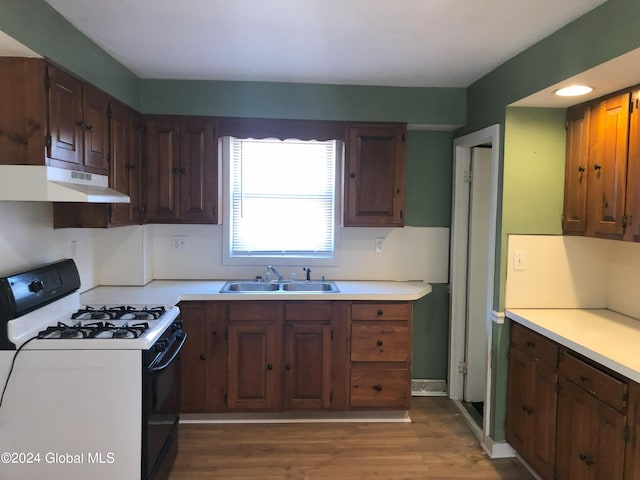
(38, 26)
(529, 203)
(430, 357)
(440, 106)
(429, 176)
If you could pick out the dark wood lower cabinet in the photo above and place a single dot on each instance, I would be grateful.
(258, 356)
(578, 421)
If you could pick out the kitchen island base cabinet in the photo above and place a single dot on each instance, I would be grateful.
(632, 460)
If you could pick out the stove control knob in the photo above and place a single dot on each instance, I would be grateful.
(36, 286)
(177, 325)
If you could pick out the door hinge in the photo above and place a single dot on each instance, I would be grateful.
(631, 105)
(109, 114)
(462, 368)
(225, 398)
(330, 397)
(468, 176)
(47, 81)
(331, 334)
(109, 157)
(47, 140)
(624, 221)
(625, 434)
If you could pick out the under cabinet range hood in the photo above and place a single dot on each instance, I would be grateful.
(37, 183)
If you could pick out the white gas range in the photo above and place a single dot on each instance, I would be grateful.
(86, 391)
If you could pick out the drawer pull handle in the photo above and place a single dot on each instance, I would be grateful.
(203, 357)
(377, 388)
(380, 312)
(379, 343)
(269, 366)
(531, 344)
(584, 378)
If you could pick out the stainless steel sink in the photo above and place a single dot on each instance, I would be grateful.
(248, 286)
(310, 287)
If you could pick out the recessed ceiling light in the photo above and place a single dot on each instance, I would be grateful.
(573, 91)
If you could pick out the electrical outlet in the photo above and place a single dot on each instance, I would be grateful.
(379, 242)
(518, 260)
(178, 242)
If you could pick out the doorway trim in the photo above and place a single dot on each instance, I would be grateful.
(458, 261)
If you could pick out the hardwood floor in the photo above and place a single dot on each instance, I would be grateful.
(436, 445)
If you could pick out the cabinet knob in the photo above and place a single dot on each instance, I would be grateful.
(584, 378)
(531, 344)
(88, 127)
(203, 357)
(288, 367)
(176, 170)
(580, 169)
(380, 312)
(269, 366)
(597, 167)
(377, 388)
(379, 343)
(80, 123)
(352, 175)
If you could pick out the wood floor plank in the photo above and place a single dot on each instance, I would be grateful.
(436, 445)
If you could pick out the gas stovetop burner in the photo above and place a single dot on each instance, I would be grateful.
(94, 330)
(118, 313)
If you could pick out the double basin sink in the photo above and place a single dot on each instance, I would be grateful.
(249, 286)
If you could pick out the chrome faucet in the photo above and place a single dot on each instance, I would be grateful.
(275, 272)
(308, 270)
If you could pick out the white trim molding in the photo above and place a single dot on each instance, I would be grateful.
(497, 317)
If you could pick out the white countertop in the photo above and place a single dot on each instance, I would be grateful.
(170, 292)
(607, 337)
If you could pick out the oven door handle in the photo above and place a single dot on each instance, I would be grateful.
(162, 366)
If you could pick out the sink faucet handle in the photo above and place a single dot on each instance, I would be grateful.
(308, 270)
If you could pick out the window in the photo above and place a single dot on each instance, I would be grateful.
(281, 199)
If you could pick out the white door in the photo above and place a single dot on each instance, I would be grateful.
(477, 274)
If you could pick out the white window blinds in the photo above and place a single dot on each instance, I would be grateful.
(283, 197)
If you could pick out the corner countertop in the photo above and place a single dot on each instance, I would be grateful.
(170, 292)
(604, 336)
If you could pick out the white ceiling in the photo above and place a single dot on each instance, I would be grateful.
(416, 43)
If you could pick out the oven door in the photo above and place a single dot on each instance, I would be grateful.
(161, 408)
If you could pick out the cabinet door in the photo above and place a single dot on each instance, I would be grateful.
(23, 107)
(198, 172)
(607, 175)
(307, 378)
(119, 159)
(573, 433)
(632, 205)
(542, 419)
(163, 170)
(254, 382)
(65, 119)
(606, 457)
(203, 358)
(96, 131)
(518, 400)
(375, 176)
(135, 168)
(632, 460)
(575, 179)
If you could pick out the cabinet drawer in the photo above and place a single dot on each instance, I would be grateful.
(380, 342)
(376, 388)
(308, 311)
(381, 311)
(253, 310)
(607, 388)
(534, 345)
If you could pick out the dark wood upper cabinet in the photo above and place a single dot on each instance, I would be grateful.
(182, 170)
(78, 124)
(577, 161)
(124, 146)
(375, 176)
(607, 170)
(632, 206)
